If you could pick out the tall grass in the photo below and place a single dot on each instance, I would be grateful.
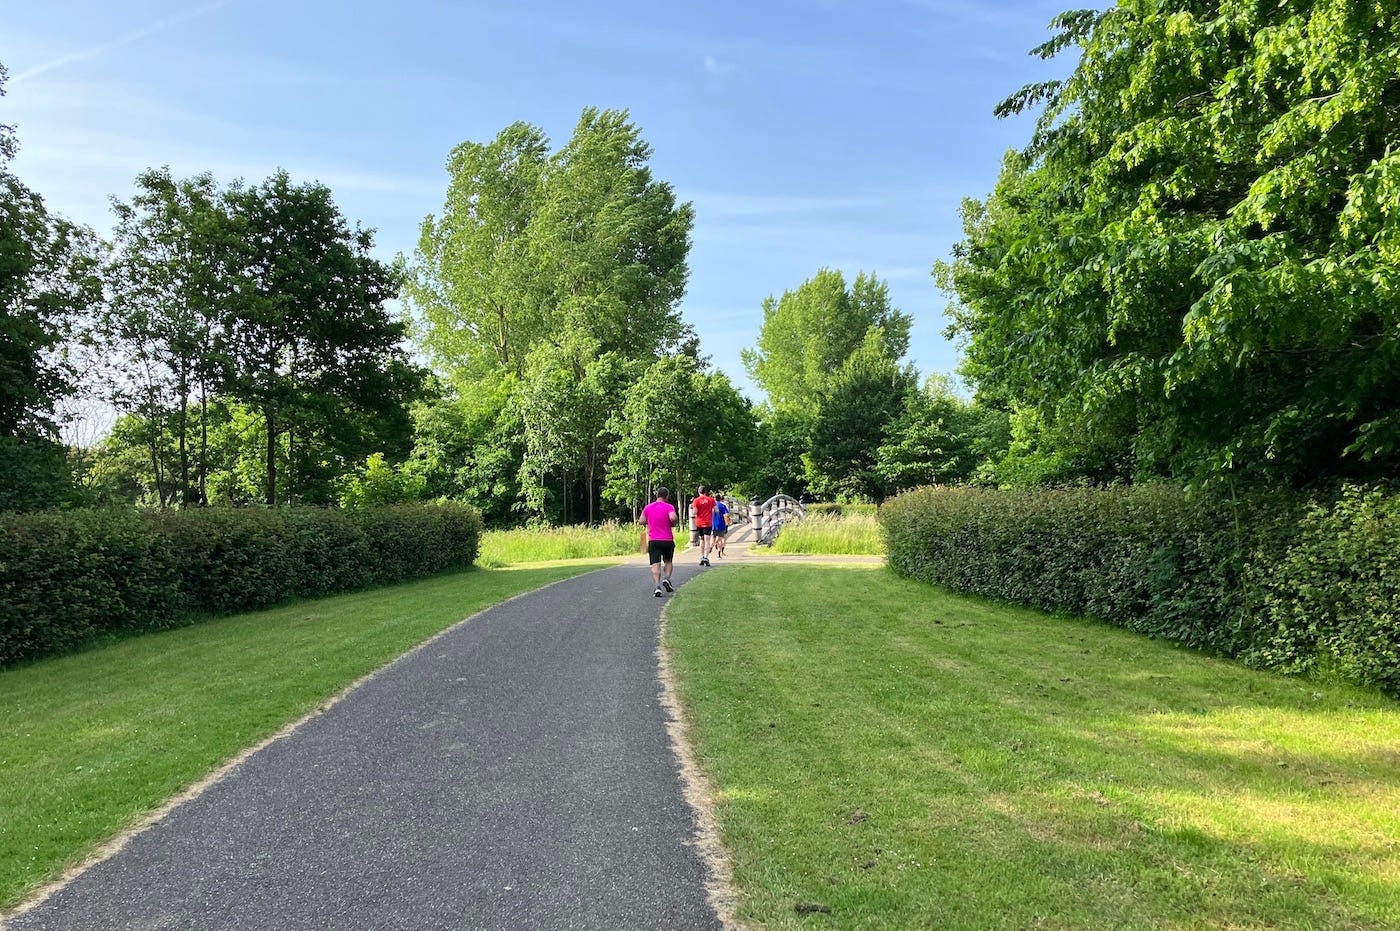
(846, 534)
(510, 547)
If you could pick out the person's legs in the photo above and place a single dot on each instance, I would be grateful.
(655, 553)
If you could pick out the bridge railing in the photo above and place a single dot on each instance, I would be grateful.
(768, 517)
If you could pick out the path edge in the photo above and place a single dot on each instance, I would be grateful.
(699, 793)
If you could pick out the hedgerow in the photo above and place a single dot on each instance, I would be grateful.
(68, 578)
(1281, 582)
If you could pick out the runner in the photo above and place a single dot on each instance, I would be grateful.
(660, 517)
(720, 525)
(704, 516)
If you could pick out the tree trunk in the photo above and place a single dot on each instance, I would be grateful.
(270, 417)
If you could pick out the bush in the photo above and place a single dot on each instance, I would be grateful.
(69, 578)
(1331, 599)
(1280, 582)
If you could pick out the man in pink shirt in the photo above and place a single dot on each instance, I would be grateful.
(660, 516)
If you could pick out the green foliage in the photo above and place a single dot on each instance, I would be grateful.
(1277, 582)
(69, 578)
(1331, 599)
(857, 405)
(381, 484)
(679, 425)
(1191, 269)
(583, 250)
(809, 333)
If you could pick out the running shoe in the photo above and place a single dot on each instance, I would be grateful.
(658, 591)
(667, 583)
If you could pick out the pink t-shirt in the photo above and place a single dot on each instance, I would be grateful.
(658, 516)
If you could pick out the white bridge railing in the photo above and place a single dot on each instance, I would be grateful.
(770, 516)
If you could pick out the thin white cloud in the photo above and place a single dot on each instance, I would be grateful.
(120, 41)
(718, 67)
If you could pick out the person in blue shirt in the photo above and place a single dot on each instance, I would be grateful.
(719, 525)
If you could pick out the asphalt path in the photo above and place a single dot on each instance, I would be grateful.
(515, 773)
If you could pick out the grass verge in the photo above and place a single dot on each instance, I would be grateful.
(92, 741)
(884, 755)
(511, 547)
(854, 534)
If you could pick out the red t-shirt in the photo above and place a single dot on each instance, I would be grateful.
(704, 510)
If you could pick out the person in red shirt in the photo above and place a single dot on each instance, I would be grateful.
(704, 517)
(660, 516)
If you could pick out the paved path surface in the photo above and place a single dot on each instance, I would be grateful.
(513, 774)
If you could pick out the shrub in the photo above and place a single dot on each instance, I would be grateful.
(68, 578)
(1280, 582)
(1331, 600)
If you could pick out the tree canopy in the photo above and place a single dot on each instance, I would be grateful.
(582, 250)
(1191, 269)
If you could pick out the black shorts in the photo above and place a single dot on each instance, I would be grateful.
(661, 551)
(703, 531)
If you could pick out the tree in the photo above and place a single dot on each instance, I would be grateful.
(809, 333)
(1191, 268)
(48, 284)
(170, 283)
(614, 242)
(858, 404)
(582, 250)
(679, 425)
(473, 280)
(939, 437)
(310, 344)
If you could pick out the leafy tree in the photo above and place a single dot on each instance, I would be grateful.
(582, 250)
(380, 484)
(310, 344)
(784, 437)
(1191, 269)
(468, 446)
(169, 284)
(48, 283)
(473, 280)
(679, 425)
(809, 333)
(939, 437)
(858, 404)
(614, 242)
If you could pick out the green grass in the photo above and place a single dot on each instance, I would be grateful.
(910, 759)
(853, 534)
(512, 547)
(90, 742)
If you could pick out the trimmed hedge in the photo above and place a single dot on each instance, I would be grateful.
(1281, 582)
(69, 578)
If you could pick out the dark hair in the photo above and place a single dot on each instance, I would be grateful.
(663, 493)
(703, 490)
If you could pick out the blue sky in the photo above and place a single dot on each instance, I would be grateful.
(807, 133)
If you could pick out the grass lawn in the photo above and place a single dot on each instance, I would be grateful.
(887, 755)
(853, 534)
(90, 742)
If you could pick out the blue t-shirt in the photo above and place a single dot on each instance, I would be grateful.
(721, 518)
